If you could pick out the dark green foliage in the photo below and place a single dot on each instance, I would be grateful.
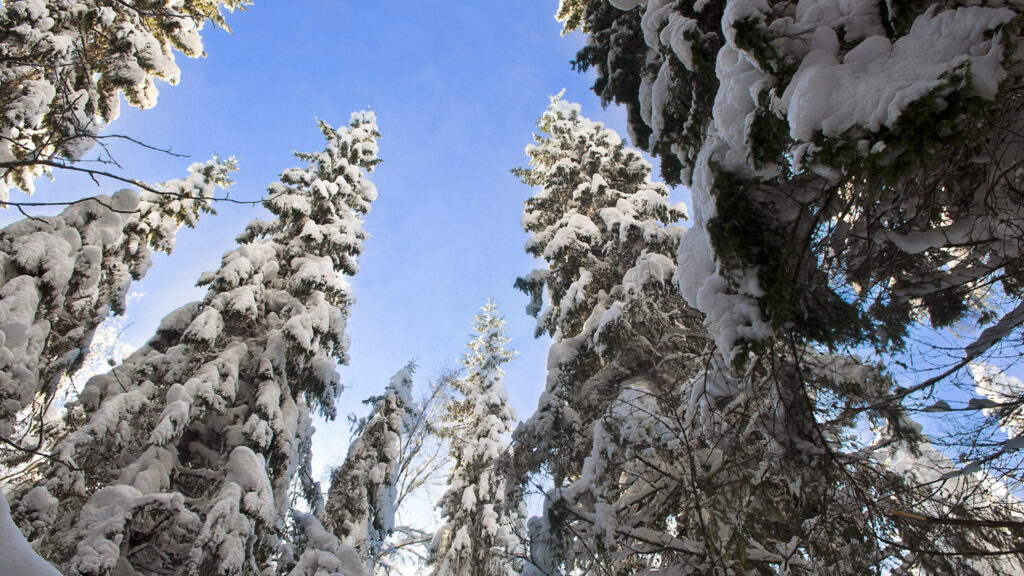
(616, 51)
(752, 38)
(615, 44)
(769, 135)
(897, 17)
(745, 239)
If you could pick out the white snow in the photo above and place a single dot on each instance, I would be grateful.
(324, 555)
(627, 4)
(17, 558)
(876, 80)
(997, 388)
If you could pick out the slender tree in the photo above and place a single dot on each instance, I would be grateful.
(606, 233)
(422, 476)
(483, 529)
(361, 501)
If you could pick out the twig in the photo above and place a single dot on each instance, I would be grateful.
(914, 516)
(37, 452)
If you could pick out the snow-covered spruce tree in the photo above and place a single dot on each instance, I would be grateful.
(64, 65)
(61, 276)
(183, 455)
(606, 232)
(483, 530)
(420, 469)
(361, 499)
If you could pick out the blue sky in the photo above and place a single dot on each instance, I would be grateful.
(457, 87)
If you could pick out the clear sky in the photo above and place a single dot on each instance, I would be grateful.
(457, 87)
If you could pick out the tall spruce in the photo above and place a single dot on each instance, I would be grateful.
(483, 528)
(182, 456)
(361, 500)
(607, 233)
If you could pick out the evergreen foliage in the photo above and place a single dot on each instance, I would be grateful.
(856, 174)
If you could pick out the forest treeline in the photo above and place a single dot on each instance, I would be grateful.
(811, 371)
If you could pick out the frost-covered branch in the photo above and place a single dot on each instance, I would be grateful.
(64, 69)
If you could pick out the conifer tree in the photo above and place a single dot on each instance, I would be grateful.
(483, 527)
(361, 500)
(63, 275)
(182, 456)
(606, 232)
(64, 65)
